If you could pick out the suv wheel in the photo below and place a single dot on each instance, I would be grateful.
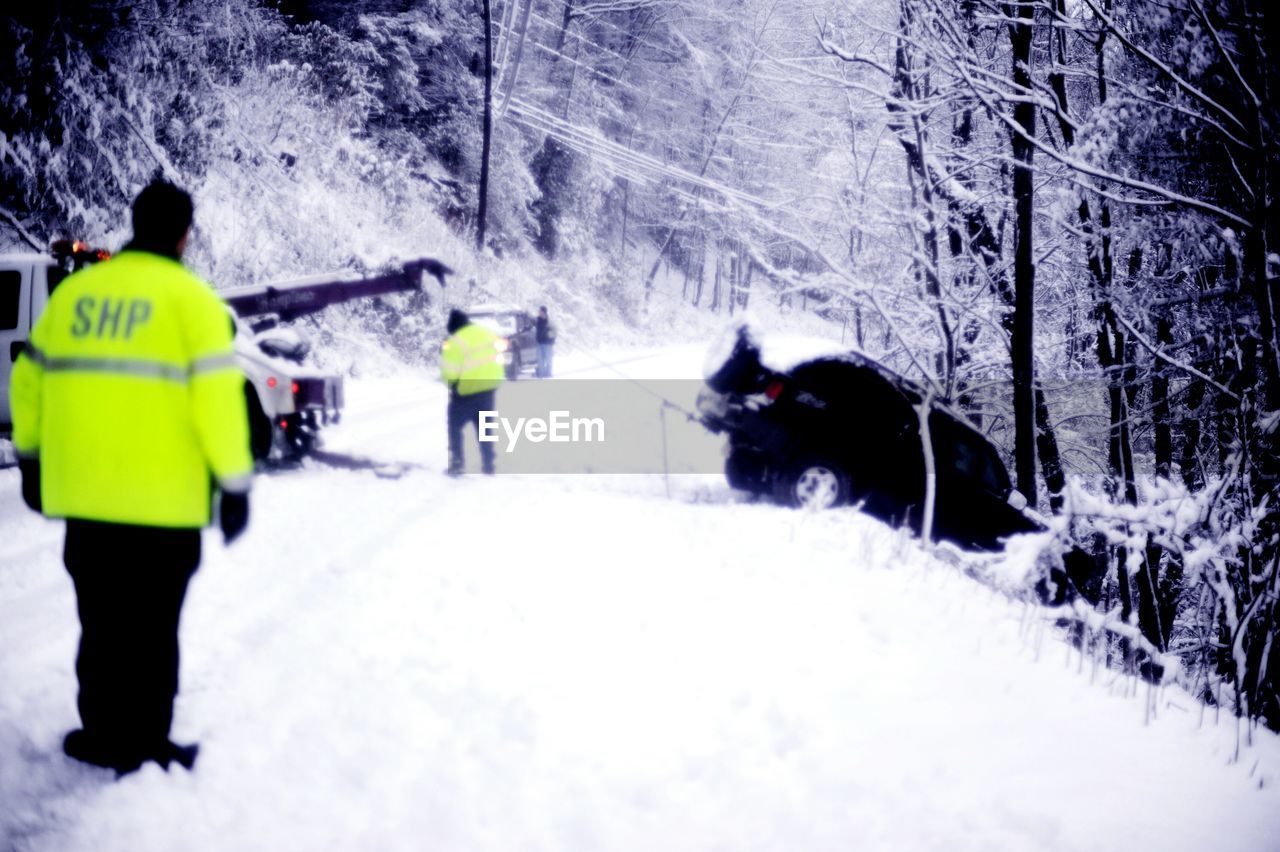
(813, 484)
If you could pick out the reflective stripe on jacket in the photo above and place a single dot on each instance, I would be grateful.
(471, 361)
(130, 395)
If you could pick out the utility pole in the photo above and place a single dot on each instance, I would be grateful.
(487, 132)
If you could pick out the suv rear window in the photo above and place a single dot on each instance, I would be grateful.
(504, 324)
(10, 296)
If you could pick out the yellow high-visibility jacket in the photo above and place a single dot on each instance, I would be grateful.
(130, 396)
(471, 360)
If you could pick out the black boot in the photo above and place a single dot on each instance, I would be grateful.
(183, 755)
(84, 747)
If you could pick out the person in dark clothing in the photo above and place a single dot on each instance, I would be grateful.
(471, 366)
(129, 419)
(128, 640)
(545, 335)
(465, 411)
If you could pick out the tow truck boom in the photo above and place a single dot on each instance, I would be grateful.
(299, 298)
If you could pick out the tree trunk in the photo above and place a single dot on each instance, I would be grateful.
(715, 286)
(1024, 271)
(521, 36)
(563, 32)
(626, 202)
(734, 267)
(1055, 478)
(487, 133)
(702, 269)
(909, 125)
(1190, 462)
(1157, 595)
(1163, 420)
(573, 79)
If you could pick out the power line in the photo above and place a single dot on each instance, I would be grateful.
(649, 95)
(551, 51)
(644, 169)
(644, 160)
(569, 32)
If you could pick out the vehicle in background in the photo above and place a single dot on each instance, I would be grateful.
(516, 331)
(27, 280)
(840, 428)
(288, 398)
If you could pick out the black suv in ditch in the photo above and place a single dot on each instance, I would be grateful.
(841, 428)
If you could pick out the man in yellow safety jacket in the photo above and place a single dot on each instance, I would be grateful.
(471, 365)
(128, 407)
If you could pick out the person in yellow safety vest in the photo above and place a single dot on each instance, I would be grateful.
(471, 365)
(128, 406)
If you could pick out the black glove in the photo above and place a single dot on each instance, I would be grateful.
(233, 514)
(30, 470)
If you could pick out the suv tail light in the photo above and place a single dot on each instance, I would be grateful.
(773, 390)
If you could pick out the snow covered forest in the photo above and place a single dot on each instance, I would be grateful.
(1057, 213)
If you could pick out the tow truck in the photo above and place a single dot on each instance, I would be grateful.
(288, 399)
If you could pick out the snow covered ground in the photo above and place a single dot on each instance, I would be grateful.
(584, 663)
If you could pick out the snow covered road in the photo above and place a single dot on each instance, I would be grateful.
(582, 663)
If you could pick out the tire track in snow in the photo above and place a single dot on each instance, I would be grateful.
(288, 609)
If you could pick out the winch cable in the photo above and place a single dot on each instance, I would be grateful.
(666, 401)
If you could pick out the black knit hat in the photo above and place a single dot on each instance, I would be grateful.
(161, 215)
(457, 319)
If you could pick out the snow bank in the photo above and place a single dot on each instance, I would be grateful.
(583, 663)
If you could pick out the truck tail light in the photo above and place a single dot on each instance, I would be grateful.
(293, 388)
(271, 382)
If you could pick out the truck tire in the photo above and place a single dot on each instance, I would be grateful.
(300, 437)
(259, 425)
(812, 483)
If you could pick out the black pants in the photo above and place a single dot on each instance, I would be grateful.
(130, 583)
(464, 410)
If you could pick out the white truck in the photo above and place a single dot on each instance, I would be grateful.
(288, 399)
